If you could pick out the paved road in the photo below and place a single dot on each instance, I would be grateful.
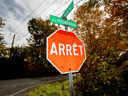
(20, 87)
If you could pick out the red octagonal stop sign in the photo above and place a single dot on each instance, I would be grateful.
(65, 51)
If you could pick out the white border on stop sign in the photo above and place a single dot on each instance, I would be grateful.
(53, 64)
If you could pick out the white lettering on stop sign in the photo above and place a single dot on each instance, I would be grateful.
(68, 48)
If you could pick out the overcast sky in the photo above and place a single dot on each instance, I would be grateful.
(15, 11)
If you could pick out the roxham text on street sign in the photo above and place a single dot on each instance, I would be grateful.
(65, 51)
(68, 10)
(61, 21)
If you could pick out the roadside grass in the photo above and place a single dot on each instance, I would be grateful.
(59, 88)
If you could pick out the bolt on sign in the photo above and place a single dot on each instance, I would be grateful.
(65, 51)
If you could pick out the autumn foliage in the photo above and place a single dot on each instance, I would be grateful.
(39, 29)
(105, 37)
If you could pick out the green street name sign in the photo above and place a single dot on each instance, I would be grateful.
(68, 10)
(61, 21)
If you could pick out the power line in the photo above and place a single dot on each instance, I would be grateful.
(52, 12)
(58, 8)
(74, 4)
(40, 13)
(8, 36)
(49, 14)
(78, 2)
(46, 8)
(28, 16)
(22, 36)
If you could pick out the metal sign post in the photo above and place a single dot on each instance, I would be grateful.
(67, 23)
(71, 84)
(70, 74)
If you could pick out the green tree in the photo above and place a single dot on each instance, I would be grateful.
(1, 23)
(104, 38)
(39, 30)
(2, 46)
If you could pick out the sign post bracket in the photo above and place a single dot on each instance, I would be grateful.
(66, 26)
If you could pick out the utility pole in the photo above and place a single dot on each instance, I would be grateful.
(12, 46)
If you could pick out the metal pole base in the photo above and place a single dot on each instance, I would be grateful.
(71, 84)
